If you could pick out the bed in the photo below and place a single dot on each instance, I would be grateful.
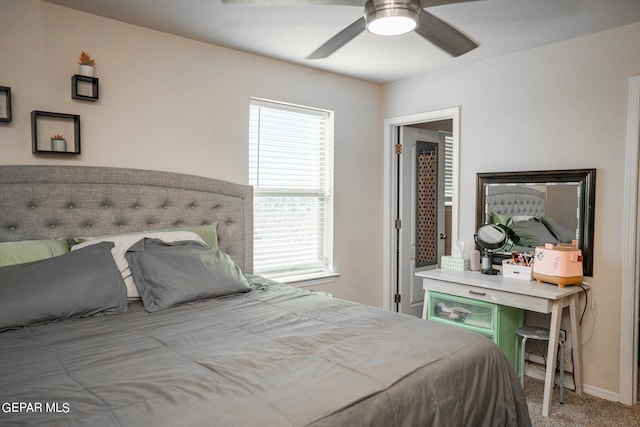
(204, 342)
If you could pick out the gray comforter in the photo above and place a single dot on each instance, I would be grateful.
(276, 356)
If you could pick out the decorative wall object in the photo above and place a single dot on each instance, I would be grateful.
(426, 207)
(58, 143)
(84, 88)
(583, 182)
(47, 127)
(86, 64)
(5, 104)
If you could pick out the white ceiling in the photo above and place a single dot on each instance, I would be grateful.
(290, 33)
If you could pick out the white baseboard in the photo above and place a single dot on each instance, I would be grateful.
(535, 370)
(601, 393)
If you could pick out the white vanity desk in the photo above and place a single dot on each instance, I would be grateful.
(527, 295)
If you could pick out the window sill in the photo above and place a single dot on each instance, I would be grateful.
(308, 279)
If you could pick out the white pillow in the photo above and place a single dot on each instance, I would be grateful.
(122, 242)
(520, 218)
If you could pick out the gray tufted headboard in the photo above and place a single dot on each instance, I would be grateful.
(514, 200)
(46, 202)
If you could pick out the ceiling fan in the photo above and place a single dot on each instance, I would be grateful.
(387, 18)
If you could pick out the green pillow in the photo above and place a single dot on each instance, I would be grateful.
(208, 233)
(12, 253)
(500, 218)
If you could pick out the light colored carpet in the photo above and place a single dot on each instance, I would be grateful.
(584, 410)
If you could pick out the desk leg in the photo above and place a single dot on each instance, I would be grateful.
(425, 305)
(552, 351)
(576, 341)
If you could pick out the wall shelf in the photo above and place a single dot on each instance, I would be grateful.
(44, 124)
(84, 88)
(5, 104)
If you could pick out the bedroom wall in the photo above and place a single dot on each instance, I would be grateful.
(561, 106)
(175, 104)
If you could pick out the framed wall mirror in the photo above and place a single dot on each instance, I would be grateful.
(540, 207)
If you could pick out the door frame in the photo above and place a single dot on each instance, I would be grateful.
(414, 141)
(390, 186)
(630, 289)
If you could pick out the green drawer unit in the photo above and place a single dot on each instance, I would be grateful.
(496, 322)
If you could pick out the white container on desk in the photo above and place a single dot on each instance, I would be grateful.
(516, 271)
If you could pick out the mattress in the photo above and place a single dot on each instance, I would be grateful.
(274, 356)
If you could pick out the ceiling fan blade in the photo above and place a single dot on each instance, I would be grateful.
(339, 40)
(444, 35)
(296, 2)
(431, 3)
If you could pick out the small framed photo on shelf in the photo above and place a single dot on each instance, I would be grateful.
(84, 88)
(55, 133)
(5, 104)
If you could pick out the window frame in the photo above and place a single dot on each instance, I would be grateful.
(324, 271)
(449, 168)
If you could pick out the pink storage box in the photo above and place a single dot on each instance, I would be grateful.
(560, 265)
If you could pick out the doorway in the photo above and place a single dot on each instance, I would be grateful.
(391, 248)
(420, 221)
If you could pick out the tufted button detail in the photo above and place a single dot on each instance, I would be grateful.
(70, 206)
(87, 226)
(164, 206)
(32, 206)
(52, 226)
(12, 228)
(179, 223)
(217, 206)
(192, 205)
(136, 207)
(150, 224)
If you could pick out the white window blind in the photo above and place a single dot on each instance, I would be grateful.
(448, 168)
(290, 155)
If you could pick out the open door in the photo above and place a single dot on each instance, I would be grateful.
(421, 222)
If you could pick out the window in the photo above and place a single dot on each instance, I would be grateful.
(448, 169)
(290, 167)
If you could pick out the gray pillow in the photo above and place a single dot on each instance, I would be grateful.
(532, 233)
(169, 274)
(78, 284)
(564, 234)
(122, 242)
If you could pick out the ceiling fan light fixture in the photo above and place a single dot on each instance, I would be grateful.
(391, 25)
(391, 18)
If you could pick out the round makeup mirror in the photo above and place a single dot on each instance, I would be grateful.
(490, 238)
